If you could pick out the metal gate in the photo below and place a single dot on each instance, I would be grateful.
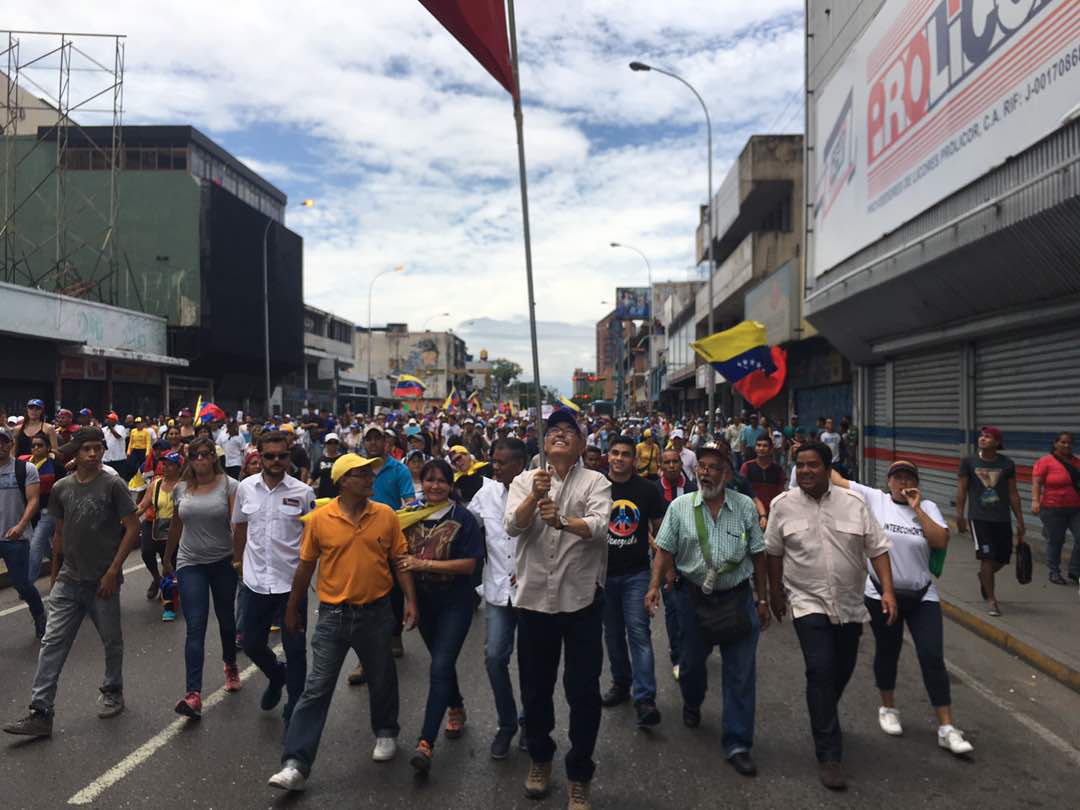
(877, 428)
(928, 420)
(1029, 386)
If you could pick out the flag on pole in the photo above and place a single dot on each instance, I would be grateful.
(210, 413)
(409, 387)
(736, 352)
(198, 406)
(479, 25)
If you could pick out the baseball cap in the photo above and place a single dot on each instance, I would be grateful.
(903, 465)
(35, 403)
(460, 448)
(999, 437)
(414, 454)
(331, 437)
(349, 461)
(173, 458)
(112, 415)
(374, 428)
(184, 412)
(5, 433)
(677, 433)
(287, 428)
(64, 412)
(85, 412)
(564, 416)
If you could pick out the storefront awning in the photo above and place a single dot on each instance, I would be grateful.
(125, 355)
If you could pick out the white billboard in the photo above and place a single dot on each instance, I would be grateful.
(933, 94)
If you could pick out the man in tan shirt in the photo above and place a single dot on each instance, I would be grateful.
(818, 540)
(559, 516)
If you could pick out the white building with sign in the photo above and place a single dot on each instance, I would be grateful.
(942, 241)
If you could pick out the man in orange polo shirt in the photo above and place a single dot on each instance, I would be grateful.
(354, 541)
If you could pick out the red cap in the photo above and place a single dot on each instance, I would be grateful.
(990, 430)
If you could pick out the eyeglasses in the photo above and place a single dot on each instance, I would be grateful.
(274, 456)
(568, 432)
(203, 454)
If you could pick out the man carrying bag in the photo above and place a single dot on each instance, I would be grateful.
(713, 538)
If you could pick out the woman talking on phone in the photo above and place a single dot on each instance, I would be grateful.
(915, 526)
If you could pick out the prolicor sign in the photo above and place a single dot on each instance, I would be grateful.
(933, 94)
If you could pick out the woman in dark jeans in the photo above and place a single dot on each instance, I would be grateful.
(200, 535)
(1056, 500)
(443, 550)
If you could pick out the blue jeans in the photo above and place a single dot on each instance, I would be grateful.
(498, 647)
(445, 617)
(625, 620)
(15, 554)
(366, 629)
(260, 611)
(40, 543)
(69, 604)
(197, 584)
(739, 673)
(1056, 522)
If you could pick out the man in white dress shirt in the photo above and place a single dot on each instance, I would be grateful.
(489, 507)
(266, 537)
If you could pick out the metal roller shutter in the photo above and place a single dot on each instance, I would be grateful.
(928, 423)
(1029, 386)
(879, 434)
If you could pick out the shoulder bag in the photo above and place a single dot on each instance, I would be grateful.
(1074, 474)
(722, 616)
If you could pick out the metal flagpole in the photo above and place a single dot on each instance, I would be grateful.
(525, 217)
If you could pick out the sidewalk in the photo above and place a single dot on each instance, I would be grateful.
(1039, 621)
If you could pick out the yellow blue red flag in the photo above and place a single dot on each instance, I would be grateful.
(569, 403)
(737, 352)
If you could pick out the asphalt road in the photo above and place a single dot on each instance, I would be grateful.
(1025, 728)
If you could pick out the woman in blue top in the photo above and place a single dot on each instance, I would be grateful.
(443, 550)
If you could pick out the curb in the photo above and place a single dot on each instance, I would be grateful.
(1059, 671)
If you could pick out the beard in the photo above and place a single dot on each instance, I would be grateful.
(710, 491)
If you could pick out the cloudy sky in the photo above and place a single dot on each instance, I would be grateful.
(408, 147)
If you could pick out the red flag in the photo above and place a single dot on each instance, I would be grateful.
(479, 25)
(758, 387)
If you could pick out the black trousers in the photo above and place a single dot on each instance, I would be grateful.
(923, 620)
(829, 651)
(542, 637)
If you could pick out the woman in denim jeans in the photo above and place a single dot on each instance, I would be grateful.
(48, 472)
(200, 535)
(443, 550)
(1056, 500)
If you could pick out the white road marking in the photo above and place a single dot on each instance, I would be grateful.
(22, 605)
(151, 746)
(1046, 735)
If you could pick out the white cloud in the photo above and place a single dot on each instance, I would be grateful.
(408, 144)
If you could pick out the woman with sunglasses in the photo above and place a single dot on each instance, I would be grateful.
(200, 535)
(443, 549)
(156, 509)
(49, 471)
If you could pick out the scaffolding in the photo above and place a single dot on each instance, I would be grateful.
(59, 231)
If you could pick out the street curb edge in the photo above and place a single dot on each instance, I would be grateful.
(1059, 671)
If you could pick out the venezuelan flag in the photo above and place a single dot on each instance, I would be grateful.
(569, 403)
(408, 386)
(737, 352)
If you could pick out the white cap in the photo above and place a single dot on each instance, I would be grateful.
(677, 433)
(331, 437)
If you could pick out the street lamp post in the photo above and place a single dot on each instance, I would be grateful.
(711, 387)
(433, 317)
(649, 335)
(370, 335)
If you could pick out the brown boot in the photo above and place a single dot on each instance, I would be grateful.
(578, 798)
(538, 782)
(832, 775)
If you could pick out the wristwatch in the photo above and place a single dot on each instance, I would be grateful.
(562, 522)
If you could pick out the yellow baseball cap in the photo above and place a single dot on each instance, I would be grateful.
(349, 461)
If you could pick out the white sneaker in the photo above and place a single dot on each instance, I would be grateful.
(385, 748)
(952, 738)
(288, 778)
(889, 720)
(675, 671)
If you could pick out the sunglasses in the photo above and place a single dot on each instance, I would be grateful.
(203, 454)
(275, 456)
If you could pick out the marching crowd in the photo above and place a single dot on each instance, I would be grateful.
(570, 546)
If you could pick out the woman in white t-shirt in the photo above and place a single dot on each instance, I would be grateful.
(914, 526)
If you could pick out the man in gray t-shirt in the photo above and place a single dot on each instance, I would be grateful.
(18, 505)
(98, 529)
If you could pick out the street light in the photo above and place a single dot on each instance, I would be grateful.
(711, 388)
(433, 317)
(371, 291)
(308, 203)
(652, 301)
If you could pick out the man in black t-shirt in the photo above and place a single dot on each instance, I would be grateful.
(301, 461)
(636, 509)
(320, 476)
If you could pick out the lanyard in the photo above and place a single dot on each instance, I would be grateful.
(703, 542)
